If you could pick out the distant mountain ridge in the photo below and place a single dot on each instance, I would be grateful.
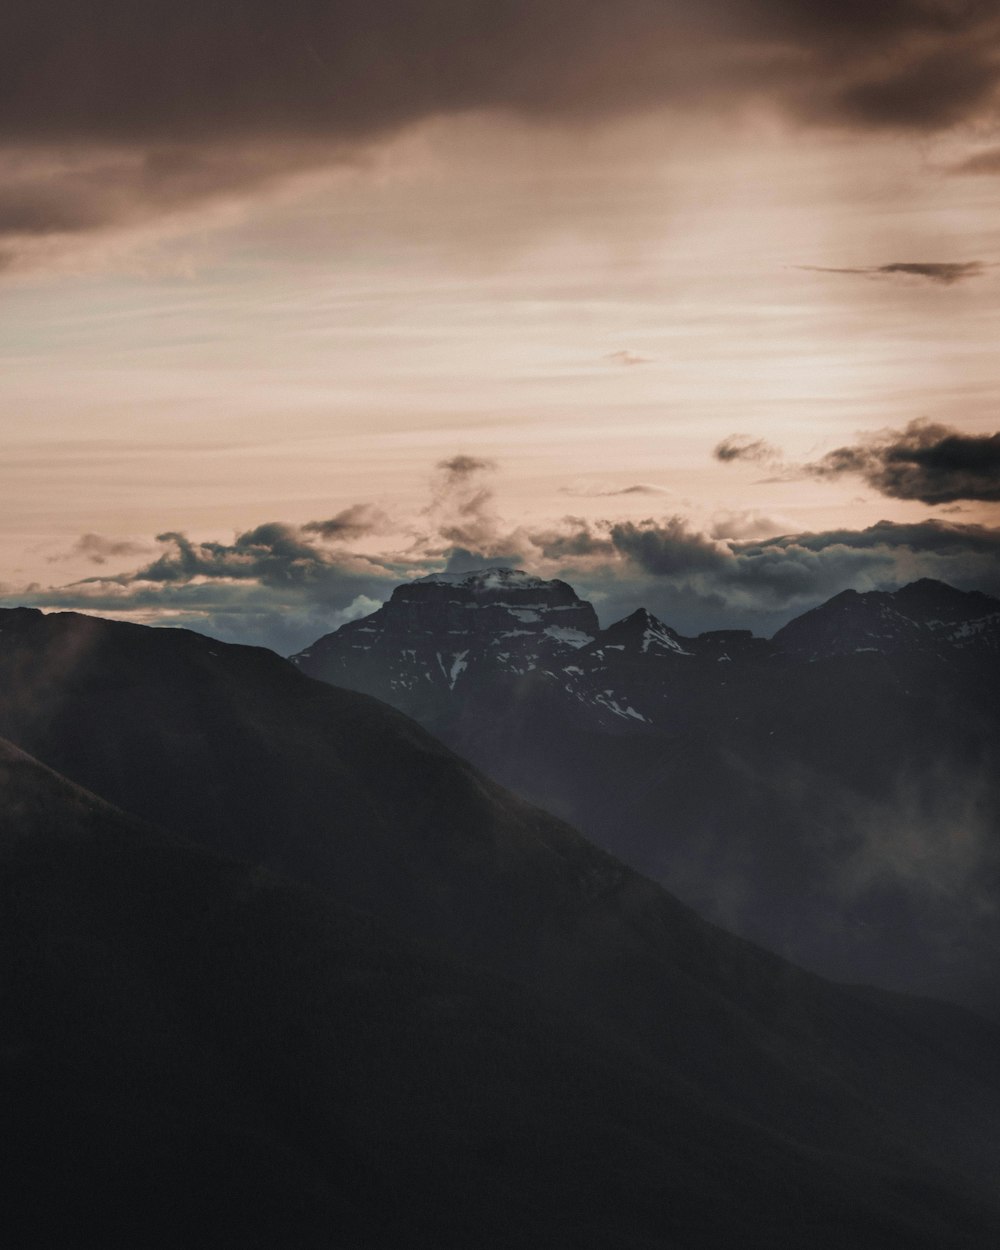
(926, 615)
(437, 635)
(833, 792)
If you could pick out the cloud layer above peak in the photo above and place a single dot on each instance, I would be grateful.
(284, 585)
(114, 113)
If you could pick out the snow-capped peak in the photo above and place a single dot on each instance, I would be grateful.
(495, 578)
(642, 631)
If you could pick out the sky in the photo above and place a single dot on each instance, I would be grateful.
(694, 305)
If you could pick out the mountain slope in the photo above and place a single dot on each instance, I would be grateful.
(892, 1102)
(833, 794)
(223, 1057)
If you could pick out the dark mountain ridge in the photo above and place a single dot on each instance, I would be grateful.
(735, 1090)
(833, 793)
(926, 615)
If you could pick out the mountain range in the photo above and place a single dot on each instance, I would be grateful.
(832, 793)
(280, 968)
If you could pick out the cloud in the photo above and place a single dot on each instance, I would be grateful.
(575, 540)
(461, 468)
(697, 582)
(126, 113)
(745, 447)
(596, 491)
(923, 92)
(273, 585)
(744, 524)
(281, 584)
(462, 511)
(98, 549)
(931, 463)
(356, 521)
(986, 162)
(944, 273)
(275, 554)
(668, 547)
(626, 357)
(284, 585)
(187, 68)
(462, 561)
(52, 198)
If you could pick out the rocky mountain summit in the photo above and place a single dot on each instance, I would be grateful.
(442, 632)
(439, 637)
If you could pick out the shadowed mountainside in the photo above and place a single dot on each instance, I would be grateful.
(195, 1051)
(833, 794)
(568, 1049)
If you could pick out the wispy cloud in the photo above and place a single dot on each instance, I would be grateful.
(626, 357)
(943, 273)
(594, 490)
(98, 549)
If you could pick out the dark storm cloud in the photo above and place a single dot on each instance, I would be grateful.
(931, 463)
(132, 110)
(575, 539)
(935, 90)
(946, 273)
(744, 447)
(274, 554)
(722, 579)
(799, 568)
(272, 585)
(166, 70)
(697, 582)
(945, 538)
(667, 547)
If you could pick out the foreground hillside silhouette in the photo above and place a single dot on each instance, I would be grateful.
(281, 969)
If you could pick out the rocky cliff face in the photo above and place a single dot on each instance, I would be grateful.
(438, 634)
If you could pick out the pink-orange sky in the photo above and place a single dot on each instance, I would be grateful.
(693, 305)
